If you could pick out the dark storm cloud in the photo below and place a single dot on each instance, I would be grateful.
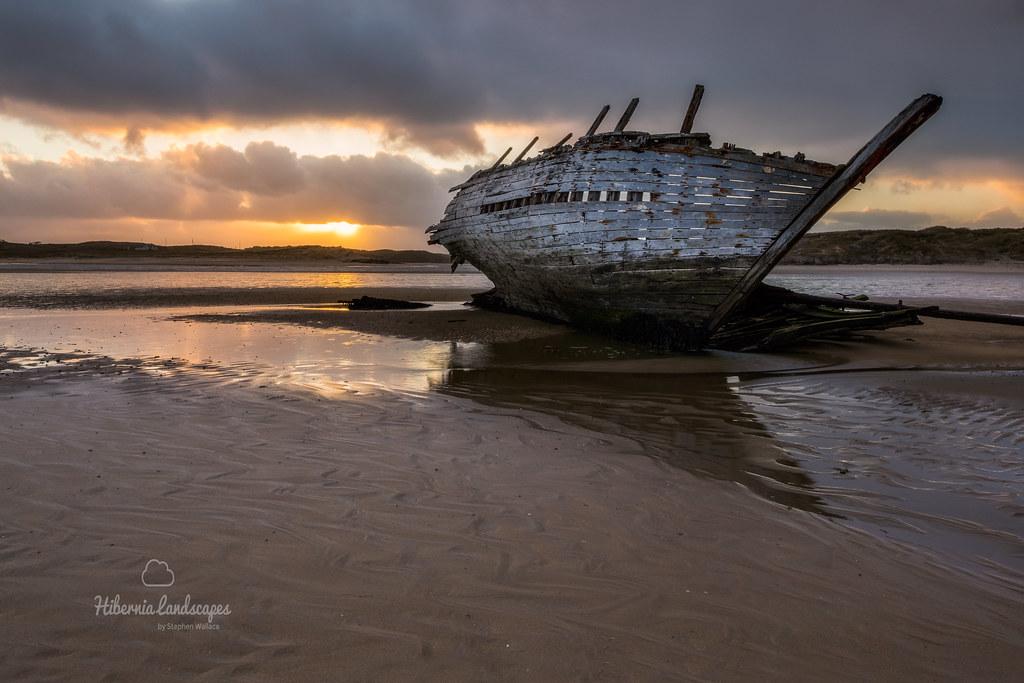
(821, 77)
(134, 141)
(263, 168)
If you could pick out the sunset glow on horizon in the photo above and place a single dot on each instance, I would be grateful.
(339, 228)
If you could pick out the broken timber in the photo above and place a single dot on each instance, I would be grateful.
(501, 158)
(928, 312)
(691, 111)
(632, 230)
(525, 150)
(597, 121)
(627, 115)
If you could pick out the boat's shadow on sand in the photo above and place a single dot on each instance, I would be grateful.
(696, 422)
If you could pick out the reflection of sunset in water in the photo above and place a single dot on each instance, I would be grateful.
(426, 277)
(330, 361)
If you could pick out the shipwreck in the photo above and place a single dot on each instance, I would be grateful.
(659, 232)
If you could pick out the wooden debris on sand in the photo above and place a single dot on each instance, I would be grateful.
(775, 318)
(371, 303)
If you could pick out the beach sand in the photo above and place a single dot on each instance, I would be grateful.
(473, 531)
(462, 323)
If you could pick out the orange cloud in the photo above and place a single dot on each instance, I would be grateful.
(444, 140)
(956, 199)
(264, 182)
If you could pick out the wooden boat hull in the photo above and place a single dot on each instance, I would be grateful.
(685, 227)
(629, 229)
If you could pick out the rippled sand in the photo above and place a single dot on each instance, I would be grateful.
(458, 505)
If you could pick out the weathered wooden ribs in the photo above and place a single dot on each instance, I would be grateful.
(628, 228)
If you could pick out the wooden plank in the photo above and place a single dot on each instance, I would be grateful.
(748, 224)
(692, 169)
(526, 150)
(702, 157)
(595, 217)
(665, 187)
(704, 269)
(572, 169)
(597, 121)
(691, 111)
(623, 179)
(684, 204)
(715, 157)
(627, 242)
(627, 115)
(862, 163)
(574, 233)
(558, 144)
(692, 228)
(502, 158)
(673, 172)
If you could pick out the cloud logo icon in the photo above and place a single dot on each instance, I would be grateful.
(157, 574)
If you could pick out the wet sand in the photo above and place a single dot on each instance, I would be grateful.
(990, 267)
(510, 522)
(219, 296)
(937, 344)
(210, 263)
(439, 323)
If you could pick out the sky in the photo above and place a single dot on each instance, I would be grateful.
(249, 122)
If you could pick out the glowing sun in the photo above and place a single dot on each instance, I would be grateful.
(339, 228)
